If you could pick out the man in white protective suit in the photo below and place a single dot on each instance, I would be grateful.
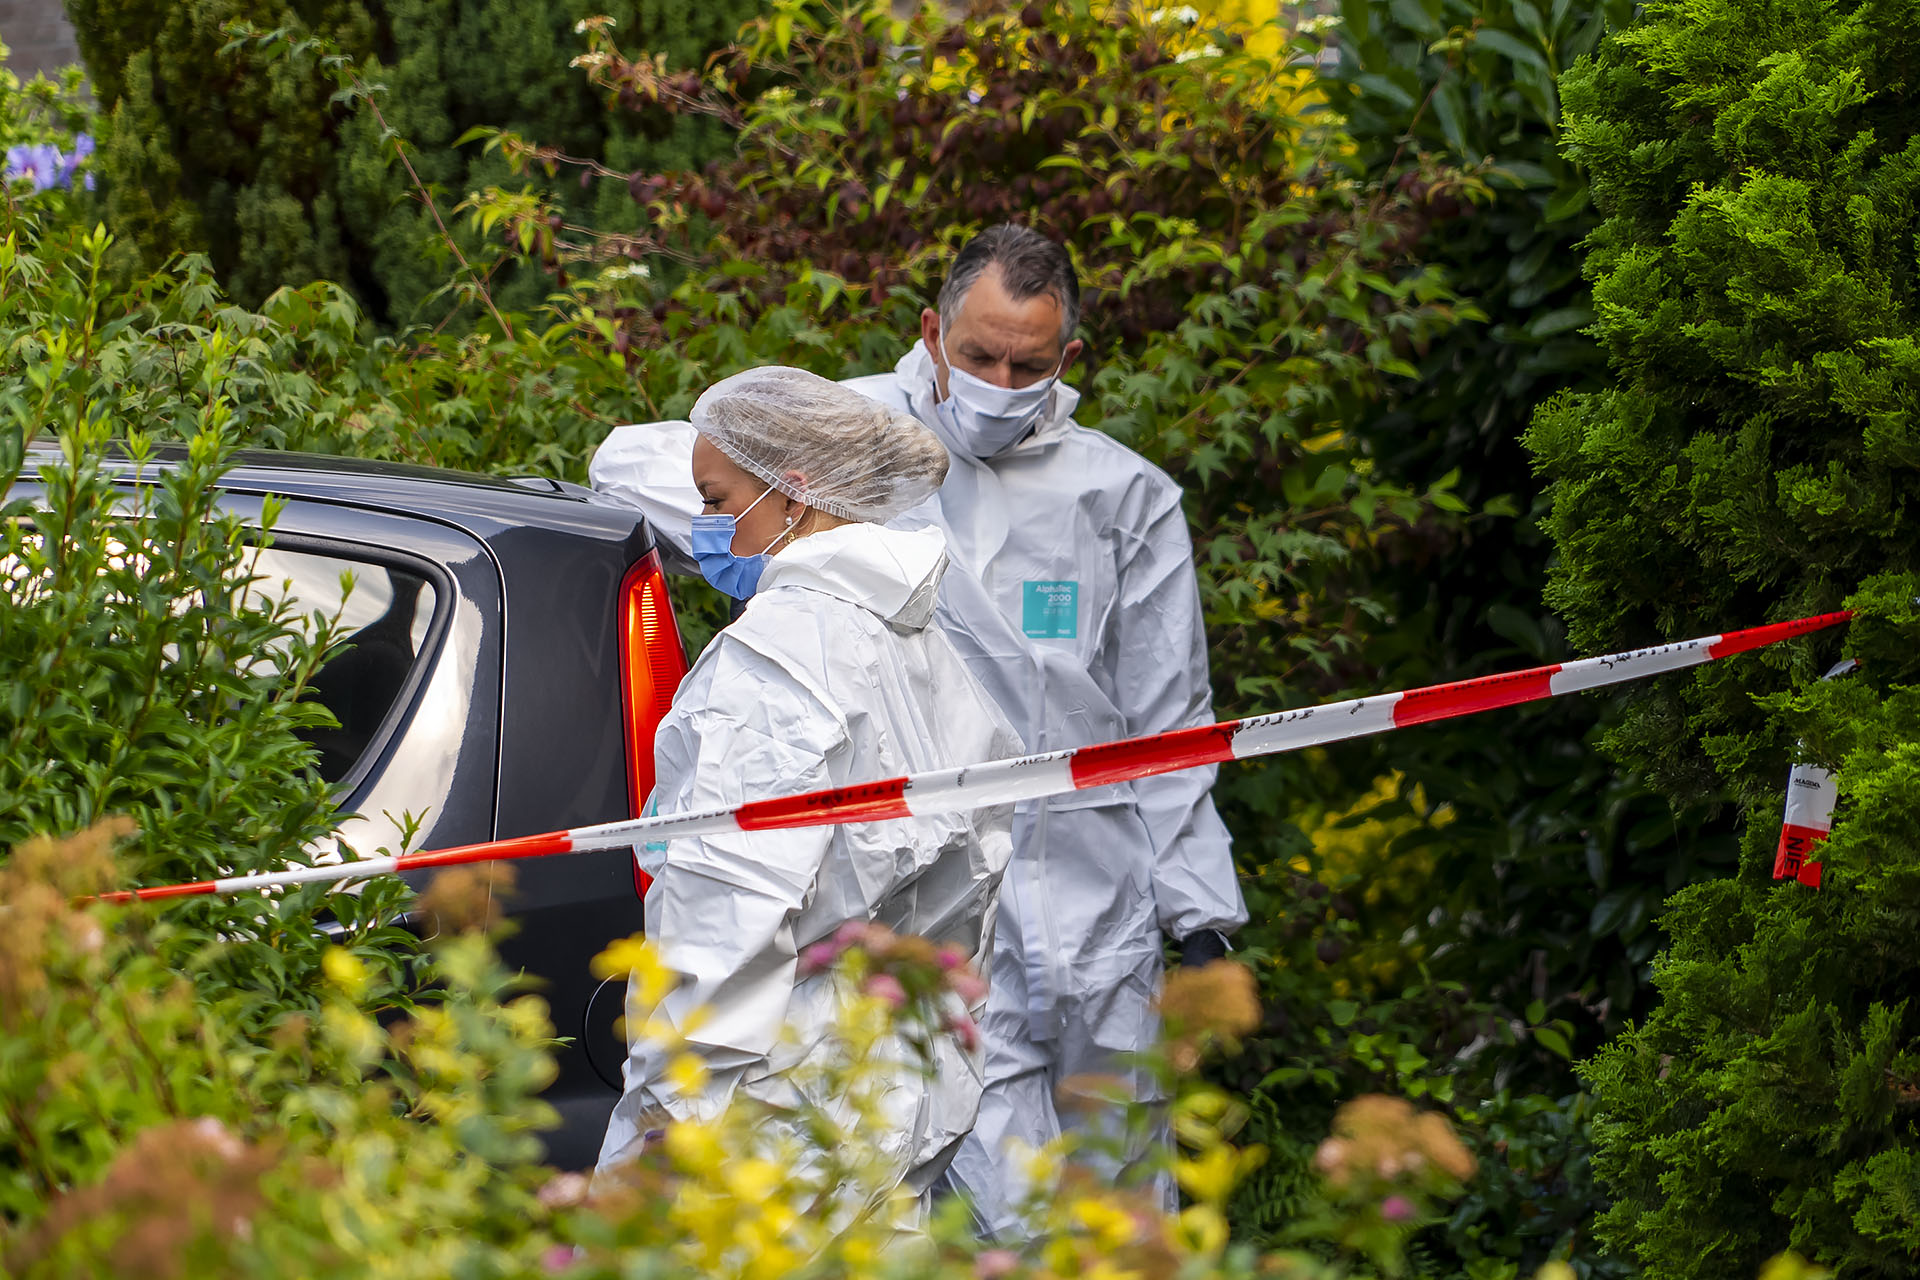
(1081, 547)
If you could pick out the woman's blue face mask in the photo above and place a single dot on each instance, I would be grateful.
(737, 576)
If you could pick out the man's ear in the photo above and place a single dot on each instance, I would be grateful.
(1070, 354)
(930, 338)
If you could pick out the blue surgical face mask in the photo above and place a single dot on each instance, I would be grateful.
(984, 418)
(737, 576)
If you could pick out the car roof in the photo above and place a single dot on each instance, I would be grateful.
(456, 496)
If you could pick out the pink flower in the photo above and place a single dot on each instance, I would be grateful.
(1396, 1209)
(969, 986)
(990, 1264)
(874, 939)
(564, 1190)
(817, 957)
(884, 986)
(950, 957)
(965, 1031)
(558, 1258)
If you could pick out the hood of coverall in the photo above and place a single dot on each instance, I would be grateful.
(894, 573)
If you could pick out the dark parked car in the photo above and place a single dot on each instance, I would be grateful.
(512, 651)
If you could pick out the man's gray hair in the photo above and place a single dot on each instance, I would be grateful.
(1030, 265)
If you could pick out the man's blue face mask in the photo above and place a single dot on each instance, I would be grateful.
(737, 576)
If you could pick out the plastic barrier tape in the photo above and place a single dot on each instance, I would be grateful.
(1000, 782)
(1811, 794)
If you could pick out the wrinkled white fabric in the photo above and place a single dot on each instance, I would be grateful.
(1071, 505)
(831, 675)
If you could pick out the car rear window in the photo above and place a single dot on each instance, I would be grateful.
(385, 616)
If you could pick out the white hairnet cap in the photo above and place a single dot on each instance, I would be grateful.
(861, 460)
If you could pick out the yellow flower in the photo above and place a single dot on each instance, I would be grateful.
(1111, 1226)
(695, 1147)
(1791, 1266)
(1061, 1257)
(1209, 1176)
(1042, 1164)
(753, 1181)
(649, 980)
(772, 1262)
(355, 1033)
(859, 1252)
(688, 1073)
(1205, 1230)
(345, 970)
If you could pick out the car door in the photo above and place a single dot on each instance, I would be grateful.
(415, 676)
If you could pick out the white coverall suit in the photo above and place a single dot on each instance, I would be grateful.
(1095, 587)
(831, 675)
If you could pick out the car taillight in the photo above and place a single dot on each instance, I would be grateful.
(652, 663)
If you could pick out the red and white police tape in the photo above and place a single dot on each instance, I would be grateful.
(1811, 794)
(998, 782)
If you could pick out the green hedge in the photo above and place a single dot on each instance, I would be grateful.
(1756, 291)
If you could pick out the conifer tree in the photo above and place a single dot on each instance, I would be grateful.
(1755, 283)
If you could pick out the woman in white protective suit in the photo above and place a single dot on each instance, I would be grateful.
(831, 675)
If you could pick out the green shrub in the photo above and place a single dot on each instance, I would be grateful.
(154, 1131)
(1542, 865)
(242, 157)
(148, 1133)
(207, 153)
(1755, 285)
(146, 675)
(1542, 840)
(41, 109)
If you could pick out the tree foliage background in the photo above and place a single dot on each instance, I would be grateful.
(250, 160)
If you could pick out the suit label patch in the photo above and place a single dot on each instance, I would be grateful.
(1051, 610)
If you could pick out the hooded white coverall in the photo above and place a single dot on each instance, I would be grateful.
(831, 675)
(1083, 545)
(1099, 637)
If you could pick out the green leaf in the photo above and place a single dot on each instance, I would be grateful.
(1521, 174)
(1528, 16)
(1342, 1012)
(1356, 16)
(1612, 911)
(1417, 15)
(1519, 626)
(1560, 320)
(1382, 87)
(1510, 47)
(1450, 109)
(1567, 202)
(1553, 1041)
